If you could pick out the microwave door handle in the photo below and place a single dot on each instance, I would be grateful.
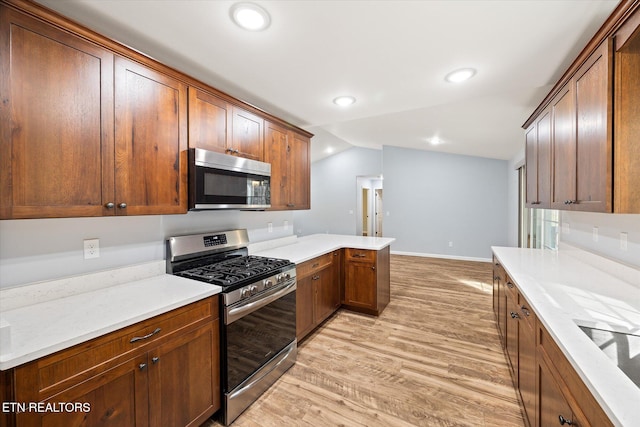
(237, 312)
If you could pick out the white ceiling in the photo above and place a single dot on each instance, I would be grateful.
(391, 55)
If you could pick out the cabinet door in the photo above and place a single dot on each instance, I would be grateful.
(184, 378)
(298, 152)
(552, 404)
(593, 132)
(116, 397)
(531, 169)
(276, 154)
(564, 148)
(543, 130)
(360, 284)
(627, 111)
(151, 141)
(209, 119)
(56, 121)
(327, 294)
(248, 137)
(527, 369)
(305, 317)
(511, 337)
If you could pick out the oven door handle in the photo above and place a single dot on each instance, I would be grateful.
(231, 315)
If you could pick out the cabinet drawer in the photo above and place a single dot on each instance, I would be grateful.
(526, 312)
(50, 374)
(511, 287)
(360, 255)
(314, 265)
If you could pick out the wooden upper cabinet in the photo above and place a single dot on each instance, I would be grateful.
(288, 152)
(56, 114)
(209, 121)
(299, 152)
(627, 117)
(538, 162)
(247, 138)
(151, 141)
(594, 126)
(564, 147)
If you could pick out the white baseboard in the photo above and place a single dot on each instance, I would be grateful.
(461, 258)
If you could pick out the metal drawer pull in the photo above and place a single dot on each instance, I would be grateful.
(514, 315)
(142, 366)
(359, 255)
(564, 421)
(134, 339)
(525, 310)
(155, 360)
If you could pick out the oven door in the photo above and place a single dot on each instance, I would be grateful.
(256, 331)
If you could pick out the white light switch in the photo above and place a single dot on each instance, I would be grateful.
(270, 227)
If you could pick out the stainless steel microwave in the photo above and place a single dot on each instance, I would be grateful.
(221, 181)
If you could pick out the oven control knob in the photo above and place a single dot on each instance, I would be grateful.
(286, 276)
(253, 289)
(245, 293)
(267, 283)
(279, 278)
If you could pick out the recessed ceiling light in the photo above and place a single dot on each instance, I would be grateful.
(434, 140)
(250, 16)
(344, 101)
(460, 75)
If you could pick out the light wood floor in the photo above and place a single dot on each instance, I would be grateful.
(433, 358)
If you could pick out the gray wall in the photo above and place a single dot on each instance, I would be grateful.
(334, 193)
(432, 199)
(45, 249)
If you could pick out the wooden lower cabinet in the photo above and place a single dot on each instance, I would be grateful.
(549, 389)
(170, 378)
(366, 280)
(318, 292)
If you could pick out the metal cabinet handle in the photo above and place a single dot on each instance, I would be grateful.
(564, 421)
(315, 278)
(142, 366)
(525, 310)
(110, 205)
(514, 315)
(373, 268)
(122, 205)
(134, 339)
(315, 265)
(509, 284)
(155, 360)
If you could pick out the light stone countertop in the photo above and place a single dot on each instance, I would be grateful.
(571, 287)
(67, 312)
(302, 249)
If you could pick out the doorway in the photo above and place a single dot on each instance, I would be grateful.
(369, 205)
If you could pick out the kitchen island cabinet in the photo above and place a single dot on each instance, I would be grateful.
(162, 371)
(366, 280)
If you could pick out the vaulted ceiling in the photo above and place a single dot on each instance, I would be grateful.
(392, 56)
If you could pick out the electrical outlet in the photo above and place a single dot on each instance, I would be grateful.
(566, 228)
(270, 227)
(91, 248)
(595, 234)
(450, 244)
(623, 241)
(286, 225)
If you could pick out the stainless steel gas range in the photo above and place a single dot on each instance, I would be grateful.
(258, 304)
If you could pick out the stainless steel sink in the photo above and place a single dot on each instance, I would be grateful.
(622, 348)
